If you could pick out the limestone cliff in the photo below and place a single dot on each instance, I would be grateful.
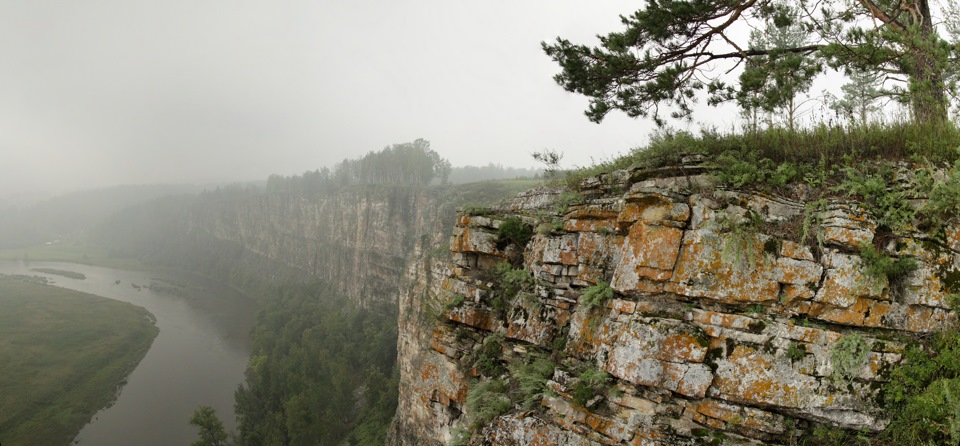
(358, 239)
(720, 323)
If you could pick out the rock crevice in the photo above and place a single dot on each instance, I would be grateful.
(722, 322)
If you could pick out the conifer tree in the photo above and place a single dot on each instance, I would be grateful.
(860, 97)
(671, 52)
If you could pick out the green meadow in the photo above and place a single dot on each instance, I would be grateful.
(63, 356)
(73, 252)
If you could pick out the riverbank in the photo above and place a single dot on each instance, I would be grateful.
(63, 354)
(73, 252)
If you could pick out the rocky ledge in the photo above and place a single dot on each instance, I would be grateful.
(713, 315)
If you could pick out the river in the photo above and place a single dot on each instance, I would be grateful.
(197, 359)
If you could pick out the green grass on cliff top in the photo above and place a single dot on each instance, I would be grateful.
(63, 355)
(830, 144)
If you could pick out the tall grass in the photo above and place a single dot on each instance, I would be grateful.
(822, 143)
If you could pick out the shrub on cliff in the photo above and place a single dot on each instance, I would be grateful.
(514, 231)
(879, 264)
(848, 355)
(487, 400)
(596, 295)
(531, 376)
(924, 393)
(591, 383)
(486, 358)
(508, 283)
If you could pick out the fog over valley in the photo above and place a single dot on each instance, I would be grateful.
(113, 92)
(442, 223)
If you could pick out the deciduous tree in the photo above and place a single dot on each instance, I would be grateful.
(212, 432)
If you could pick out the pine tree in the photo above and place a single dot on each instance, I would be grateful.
(671, 52)
(860, 97)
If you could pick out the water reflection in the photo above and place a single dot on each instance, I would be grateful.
(198, 357)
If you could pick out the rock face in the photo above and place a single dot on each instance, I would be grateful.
(722, 324)
(358, 239)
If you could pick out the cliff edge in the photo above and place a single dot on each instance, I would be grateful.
(650, 306)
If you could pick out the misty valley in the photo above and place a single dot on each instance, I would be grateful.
(744, 226)
(197, 357)
(272, 303)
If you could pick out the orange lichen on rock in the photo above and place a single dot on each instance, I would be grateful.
(594, 212)
(706, 323)
(591, 218)
(748, 376)
(561, 250)
(648, 252)
(846, 281)
(703, 271)
(578, 225)
(441, 340)
(622, 306)
(652, 208)
(474, 240)
(792, 293)
(660, 354)
(795, 251)
(727, 320)
(798, 272)
(594, 253)
(746, 417)
(436, 377)
(475, 317)
(847, 238)
(953, 238)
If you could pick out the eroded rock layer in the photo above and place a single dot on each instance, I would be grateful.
(724, 320)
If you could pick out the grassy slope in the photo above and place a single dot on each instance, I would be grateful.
(833, 146)
(62, 355)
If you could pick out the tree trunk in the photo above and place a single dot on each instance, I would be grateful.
(928, 100)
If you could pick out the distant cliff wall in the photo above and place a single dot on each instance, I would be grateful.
(358, 239)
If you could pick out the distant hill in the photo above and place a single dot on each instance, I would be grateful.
(472, 174)
(74, 213)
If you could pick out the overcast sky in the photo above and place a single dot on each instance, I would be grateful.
(103, 92)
